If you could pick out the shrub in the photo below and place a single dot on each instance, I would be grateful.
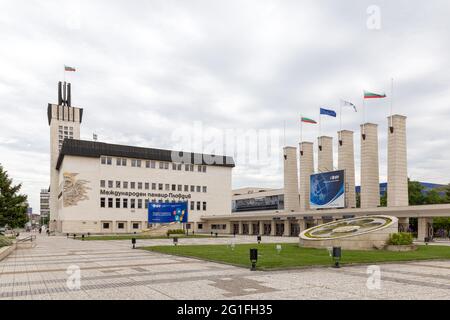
(5, 242)
(400, 239)
(175, 231)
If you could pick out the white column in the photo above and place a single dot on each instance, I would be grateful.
(291, 196)
(397, 188)
(370, 183)
(306, 169)
(346, 162)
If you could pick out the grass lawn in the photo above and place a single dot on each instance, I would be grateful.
(292, 256)
(137, 236)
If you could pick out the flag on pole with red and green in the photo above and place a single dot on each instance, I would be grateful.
(372, 95)
(308, 120)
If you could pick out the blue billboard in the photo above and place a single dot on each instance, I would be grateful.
(327, 190)
(161, 212)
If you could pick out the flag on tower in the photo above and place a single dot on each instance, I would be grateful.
(67, 68)
(348, 104)
(308, 120)
(371, 95)
(328, 112)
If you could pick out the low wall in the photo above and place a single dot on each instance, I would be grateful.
(6, 251)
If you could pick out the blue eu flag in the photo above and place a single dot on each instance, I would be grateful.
(328, 112)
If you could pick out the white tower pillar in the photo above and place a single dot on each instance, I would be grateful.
(397, 192)
(325, 154)
(291, 196)
(306, 169)
(346, 162)
(370, 180)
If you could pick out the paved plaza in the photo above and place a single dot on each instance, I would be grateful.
(112, 270)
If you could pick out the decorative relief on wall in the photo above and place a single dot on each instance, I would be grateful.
(75, 190)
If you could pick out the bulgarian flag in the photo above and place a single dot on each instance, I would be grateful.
(308, 120)
(371, 95)
(67, 68)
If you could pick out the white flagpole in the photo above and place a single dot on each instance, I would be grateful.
(392, 99)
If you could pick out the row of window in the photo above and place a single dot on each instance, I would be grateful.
(139, 203)
(121, 225)
(123, 162)
(154, 186)
(64, 132)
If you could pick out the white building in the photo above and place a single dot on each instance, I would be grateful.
(105, 188)
(45, 203)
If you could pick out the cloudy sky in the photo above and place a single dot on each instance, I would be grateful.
(148, 69)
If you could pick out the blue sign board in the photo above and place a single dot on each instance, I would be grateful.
(161, 212)
(327, 190)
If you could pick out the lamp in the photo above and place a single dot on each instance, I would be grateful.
(253, 258)
(175, 241)
(337, 256)
(258, 238)
(133, 242)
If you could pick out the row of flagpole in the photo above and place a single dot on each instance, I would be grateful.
(343, 103)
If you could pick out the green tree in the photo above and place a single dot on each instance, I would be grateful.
(433, 197)
(13, 206)
(415, 192)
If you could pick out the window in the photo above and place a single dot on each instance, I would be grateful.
(179, 167)
(133, 162)
(166, 165)
(108, 160)
(198, 205)
(124, 162)
(186, 167)
(105, 225)
(174, 187)
(199, 168)
(204, 189)
(103, 159)
(161, 165)
(138, 163)
(146, 203)
(125, 203)
(180, 187)
(125, 184)
(102, 202)
(133, 203)
(186, 188)
(147, 186)
(120, 225)
(160, 186)
(192, 205)
(118, 161)
(204, 206)
(192, 188)
(153, 164)
(204, 169)
(191, 167)
(110, 183)
(174, 166)
(117, 202)
(167, 187)
(110, 202)
(140, 203)
(102, 183)
(153, 186)
(132, 185)
(147, 164)
(117, 184)
(139, 185)
(135, 225)
(200, 226)
(199, 189)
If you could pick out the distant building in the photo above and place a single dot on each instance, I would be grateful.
(45, 203)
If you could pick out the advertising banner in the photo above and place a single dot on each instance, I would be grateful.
(327, 190)
(161, 212)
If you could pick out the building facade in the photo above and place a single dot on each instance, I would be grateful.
(99, 187)
(45, 204)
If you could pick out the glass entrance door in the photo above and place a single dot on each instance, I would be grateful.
(295, 229)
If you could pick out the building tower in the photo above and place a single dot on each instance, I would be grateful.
(291, 196)
(306, 170)
(397, 188)
(64, 121)
(370, 180)
(346, 162)
(325, 154)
